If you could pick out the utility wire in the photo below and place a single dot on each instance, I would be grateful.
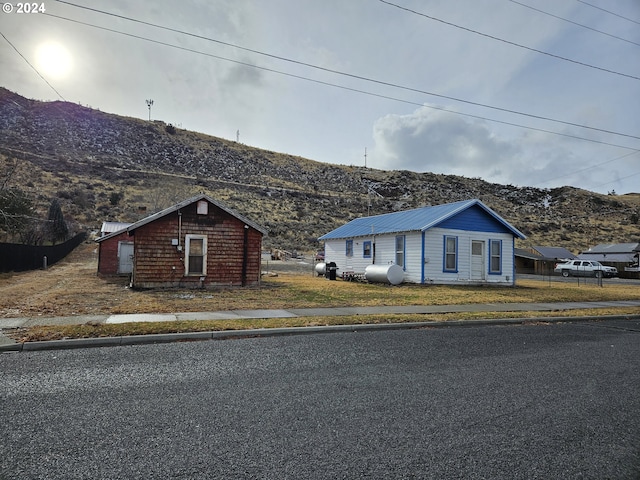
(320, 82)
(616, 180)
(324, 69)
(608, 11)
(591, 167)
(509, 42)
(574, 23)
(34, 68)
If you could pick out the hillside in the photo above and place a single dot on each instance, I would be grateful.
(107, 167)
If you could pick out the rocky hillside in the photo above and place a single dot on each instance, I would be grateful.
(107, 167)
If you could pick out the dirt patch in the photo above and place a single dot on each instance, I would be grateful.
(72, 287)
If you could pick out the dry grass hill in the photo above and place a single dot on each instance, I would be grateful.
(107, 167)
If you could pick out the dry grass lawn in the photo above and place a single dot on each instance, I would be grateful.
(72, 287)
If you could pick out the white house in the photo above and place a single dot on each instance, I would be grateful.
(463, 242)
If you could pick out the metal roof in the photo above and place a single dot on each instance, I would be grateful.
(609, 257)
(554, 252)
(418, 219)
(521, 252)
(178, 206)
(113, 234)
(110, 227)
(614, 248)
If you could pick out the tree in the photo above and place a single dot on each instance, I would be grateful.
(115, 198)
(16, 208)
(56, 226)
(16, 211)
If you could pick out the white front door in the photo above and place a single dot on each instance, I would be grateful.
(477, 260)
(125, 257)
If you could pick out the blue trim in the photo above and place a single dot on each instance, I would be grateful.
(499, 271)
(364, 249)
(404, 251)
(348, 248)
(513, 261)
(422, 260)
(474, 219)
(444, 254)
(466, 215)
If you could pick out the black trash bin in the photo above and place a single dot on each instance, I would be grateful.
(331, 270)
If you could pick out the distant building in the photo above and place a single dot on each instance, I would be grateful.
(111, 227)
(457, 243)
(559, 254)
(623, 256)
(196, 243)
(541, 260)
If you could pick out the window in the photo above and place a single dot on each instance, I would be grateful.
(495, 260)
(202, 207)
(400, 250)
(450, 254)
(366, 249)
(196, 255)
(349, 248)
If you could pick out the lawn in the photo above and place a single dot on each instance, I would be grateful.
(301, 291)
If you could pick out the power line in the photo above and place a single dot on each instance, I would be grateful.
(320, 82)
(608, 11)
(616, 180)
(34, 68)
(591, 167)
(297, 62)
(574, 23)
(509, 42)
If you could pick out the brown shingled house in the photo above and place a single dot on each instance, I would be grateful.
(196, 243)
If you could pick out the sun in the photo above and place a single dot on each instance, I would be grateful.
(53, 60)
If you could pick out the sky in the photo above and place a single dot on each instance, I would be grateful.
(538, 93)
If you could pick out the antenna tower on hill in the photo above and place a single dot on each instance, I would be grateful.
(149, 103)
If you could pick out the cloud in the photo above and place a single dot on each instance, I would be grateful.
(435, 141)
(429, 140)
(241, 75)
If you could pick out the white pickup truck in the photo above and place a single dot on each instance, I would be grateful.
(585, 268)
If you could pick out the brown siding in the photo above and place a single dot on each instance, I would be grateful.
(158, 263)
(108, 254)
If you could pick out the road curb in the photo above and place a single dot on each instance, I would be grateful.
(273, 332)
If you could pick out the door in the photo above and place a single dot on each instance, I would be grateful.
(125, 257)
(477, 260)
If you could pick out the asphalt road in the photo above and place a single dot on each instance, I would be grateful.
(541, 401)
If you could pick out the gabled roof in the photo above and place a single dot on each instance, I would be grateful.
(609, 257)
(612, 252)
(521, 252)
(183, 204)
(554, 252)
(114, 233)
(614, 248)
(111, 227)
(418, 219)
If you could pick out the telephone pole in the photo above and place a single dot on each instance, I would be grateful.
(365, 157)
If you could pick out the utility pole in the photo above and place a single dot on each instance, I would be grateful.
(149, 103)
(365, 157)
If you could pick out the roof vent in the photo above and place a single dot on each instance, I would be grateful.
(203, 207)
